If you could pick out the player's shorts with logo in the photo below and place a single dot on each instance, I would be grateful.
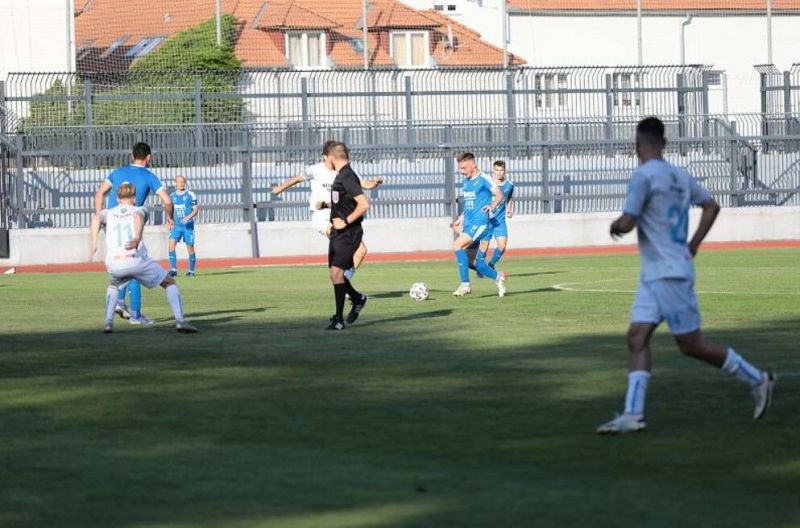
(320, 220)
(670, 300)
(148, 272)
(181, 232)
(343, 246)
(477, 232)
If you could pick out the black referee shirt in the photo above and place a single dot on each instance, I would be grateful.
(345, 188)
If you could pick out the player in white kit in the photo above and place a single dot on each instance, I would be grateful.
(320, 177)
(127, 259)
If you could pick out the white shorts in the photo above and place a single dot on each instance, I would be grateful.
(320, 220)
(149, 273)
(671, 300)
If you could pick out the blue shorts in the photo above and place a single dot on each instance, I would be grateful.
(182, 232)
(477, 232)
(499, 230)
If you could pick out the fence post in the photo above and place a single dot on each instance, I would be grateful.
(545, 171)
(198, 120)
(787, 101)
(3, 116)
(19, 183)
(734, 159)
(306, 123)
(449, 173)
(87, 106)
(248, 201)
(409, 118)
(511, 110)
(764, 120)
(706, 112)
(609, 129)
(681, 89)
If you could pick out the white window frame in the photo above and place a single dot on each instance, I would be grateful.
(628, 99)
(144, 46)
(114, 46)
(551, 101)
(323, 50)
(426, 44)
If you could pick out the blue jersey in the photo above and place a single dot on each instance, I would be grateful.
(184, 204)
(140, 177)
(507, 188)
(477, 193)
(659, 197)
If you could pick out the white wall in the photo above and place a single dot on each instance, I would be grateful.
(61, 246)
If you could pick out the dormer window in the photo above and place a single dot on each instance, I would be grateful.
(306, 50)
(410, 49)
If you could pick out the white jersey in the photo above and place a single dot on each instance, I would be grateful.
(321, 179)
(120, 229)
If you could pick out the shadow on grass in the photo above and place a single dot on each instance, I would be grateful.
(388, 427)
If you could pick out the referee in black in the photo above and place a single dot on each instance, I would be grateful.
(348, 206)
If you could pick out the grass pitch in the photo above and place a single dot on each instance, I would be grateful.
(447, 413)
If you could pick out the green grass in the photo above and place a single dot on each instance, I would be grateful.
(448, 413)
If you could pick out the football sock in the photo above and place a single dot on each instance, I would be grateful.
(122, 293)
(496, 256)
(637, 391)
(463, 265)
(192, 261)
(112, 294)
(136, 297)
(175, 302)
(483, 268)
(741, 369)
(173, 260)
(339, 291)
(352, 292)
(349, 274)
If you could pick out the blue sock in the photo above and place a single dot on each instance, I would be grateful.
(483, 267)
(136, 296)
(496, 256)
(173, 260)
(122, 293)
(463, 265)
(192, 261)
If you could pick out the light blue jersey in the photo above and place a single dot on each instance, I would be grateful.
(499, 217)
(184, 202)
(659, 197)
(140, 177)
(477, 193)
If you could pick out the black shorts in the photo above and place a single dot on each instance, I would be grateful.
(343, 246)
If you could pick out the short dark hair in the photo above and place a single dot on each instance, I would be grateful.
(651, 131)
(466, 156)
(327, 146)
(339, 150)
(141, 151)
(499, 163)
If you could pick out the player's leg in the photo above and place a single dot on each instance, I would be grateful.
(176, 304)
(460, 245)
(112, 295)
(137, 317)
(480, 261)
(358, 299)
(501, 242)
(188, 238)
(358, 259)
(337, 264)
(121, 309)
(174, 237)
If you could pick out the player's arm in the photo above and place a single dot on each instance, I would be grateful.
(509, 202)
(139, 220)
(707, 219)
(371, 184)
(288, 184)
(100, 195)
(94, 229)
(498, 197)
(624, 224)
(168, 206)
(193, 214)
(638, 190)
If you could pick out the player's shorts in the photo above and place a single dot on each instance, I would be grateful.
(477, 232)
(182, 232)
(671, 300)
(320, 220)
(148, 272)
(499, 229)
(343, 245)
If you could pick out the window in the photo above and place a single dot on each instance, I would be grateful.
(143, 47)
(714, 78)
(306, 50)
(552, 83)
(624, 86)
(409, 49)
(114, 46)
(450, 7)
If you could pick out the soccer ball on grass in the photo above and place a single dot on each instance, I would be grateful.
(419, 291)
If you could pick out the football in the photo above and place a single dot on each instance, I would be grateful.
(419, 291)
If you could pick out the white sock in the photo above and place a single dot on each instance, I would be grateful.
(349, 274)
(112, 294)
(637, 391)
(744, 371)
(174, 298)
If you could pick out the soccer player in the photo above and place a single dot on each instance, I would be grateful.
(320, 177)
(658, 202)
(144, 182)
(186, 209)
(498, 221)
(126, 256)
(348, 206)
(481, 198)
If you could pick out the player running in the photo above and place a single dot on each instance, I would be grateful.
(320, 177)
(144, 182)
(126, 256)
(498, 221)
(658, 202)
(186, 209)
(481, 198)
